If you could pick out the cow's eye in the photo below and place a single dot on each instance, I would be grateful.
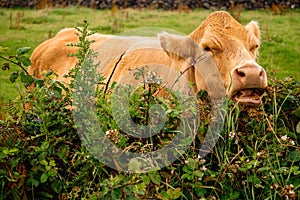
(207, 48)
(253, 48)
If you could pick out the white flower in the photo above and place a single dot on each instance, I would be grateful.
(231, 135)
(258, 154)
(293, 142)
(284, 138)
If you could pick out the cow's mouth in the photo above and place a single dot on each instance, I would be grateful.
(251, 96)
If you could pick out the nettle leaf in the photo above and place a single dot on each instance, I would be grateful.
(33, 181)
(294, 156)
(23, 50)
(57, 91)
(13, 77)
(57, 186)
(116, 193)
(25, 78)
(44, 178)
(174, 193)
(24, 60)
(155, 177)
(51, 173)
(39, 82)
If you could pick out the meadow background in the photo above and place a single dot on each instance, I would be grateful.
(279, 53)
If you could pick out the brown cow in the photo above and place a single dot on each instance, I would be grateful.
(232, 47)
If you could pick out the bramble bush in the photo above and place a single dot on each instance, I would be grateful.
(42, 156)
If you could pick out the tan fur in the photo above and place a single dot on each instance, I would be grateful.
(232, 47)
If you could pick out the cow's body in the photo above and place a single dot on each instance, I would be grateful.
(231, 46)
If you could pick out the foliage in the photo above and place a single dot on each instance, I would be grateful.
(42, 156)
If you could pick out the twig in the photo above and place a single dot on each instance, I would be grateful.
(112, 73)
(191, 65)
(273, 131)
(227, 166)
(16, 63)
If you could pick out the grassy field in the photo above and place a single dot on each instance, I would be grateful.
(280, 34)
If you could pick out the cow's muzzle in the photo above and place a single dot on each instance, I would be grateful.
(249, 83)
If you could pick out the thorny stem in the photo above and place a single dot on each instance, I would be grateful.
(201, 57)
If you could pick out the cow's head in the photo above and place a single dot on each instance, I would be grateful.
(233, 48)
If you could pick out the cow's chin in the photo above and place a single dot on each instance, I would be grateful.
(251, 97)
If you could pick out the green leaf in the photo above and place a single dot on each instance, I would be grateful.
(52, 163)
(51, 173)
(23, 50)
(174, 194)
(24, 60)
(139, 189)
(57, 92)
(33, 181)
(13, 150)
(297, 113)
(199, 173)
(202, 94)
(39, 82)
(44, 178)
(26, 78)
(294, 156)
(234, 195)
(44, 162)
(253, 179)
(145, 179)
(14, 76)
(155, 177)
(57, 186)
(116, 194)
(45, 145)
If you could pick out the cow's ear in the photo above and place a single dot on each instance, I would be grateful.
(253, 28)
(177, 45)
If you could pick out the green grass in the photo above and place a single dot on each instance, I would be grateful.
(280, 34)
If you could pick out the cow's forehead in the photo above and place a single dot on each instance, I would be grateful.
(221, 19)
(222, 25)
(225, 26)
(228, 33)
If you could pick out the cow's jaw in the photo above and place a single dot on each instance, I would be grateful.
(250, 97)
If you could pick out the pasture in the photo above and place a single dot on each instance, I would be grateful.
(43, 154)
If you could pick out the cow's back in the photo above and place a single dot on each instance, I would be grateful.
(54, 54)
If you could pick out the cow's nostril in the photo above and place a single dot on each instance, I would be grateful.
(240, 73)
(261, 73)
